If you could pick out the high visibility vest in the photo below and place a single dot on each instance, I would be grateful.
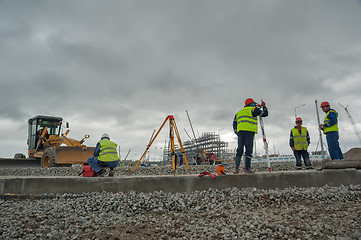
(245, 120)
(300, 140)
(333, 128)
(108, 151)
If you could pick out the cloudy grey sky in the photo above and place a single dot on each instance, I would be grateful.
(122, 66)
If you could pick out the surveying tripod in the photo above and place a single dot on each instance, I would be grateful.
(173, 129)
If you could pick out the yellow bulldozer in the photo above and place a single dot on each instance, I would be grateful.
(46, 141)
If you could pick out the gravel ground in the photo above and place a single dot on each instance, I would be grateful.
(164, 170)
(292, 213)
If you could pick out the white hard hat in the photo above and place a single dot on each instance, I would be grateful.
(105, 135)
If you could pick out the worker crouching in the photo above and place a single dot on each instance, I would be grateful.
(299, 142)
(105, 155)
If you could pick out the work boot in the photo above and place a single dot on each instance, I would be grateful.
(309, 167)
(101, 173)
(236, 172)
(249, 171)
(111, 173)
(248, 165)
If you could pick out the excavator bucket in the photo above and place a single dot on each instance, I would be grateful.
(72, 155)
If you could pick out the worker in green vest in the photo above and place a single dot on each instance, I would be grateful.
(105, 155)
(299, 142)
(330, 128)
(245, 125)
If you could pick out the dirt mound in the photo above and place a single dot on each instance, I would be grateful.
(353, 154)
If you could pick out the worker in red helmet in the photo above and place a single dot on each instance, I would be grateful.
(245, 125)
(330, 128)
(299, 142)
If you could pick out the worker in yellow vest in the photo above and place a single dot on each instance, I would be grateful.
(105, 155)
(245, 125)
(330, 128)
(299, 142)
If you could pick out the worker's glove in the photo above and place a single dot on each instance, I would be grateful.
(263, 103)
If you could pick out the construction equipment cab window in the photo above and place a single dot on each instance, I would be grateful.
(36, 126)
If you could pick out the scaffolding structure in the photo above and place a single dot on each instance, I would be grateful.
(196, 148)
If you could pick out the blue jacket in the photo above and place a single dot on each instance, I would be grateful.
(256, 112)
(333, 118)
(97, 149)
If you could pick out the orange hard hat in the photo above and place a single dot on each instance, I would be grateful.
(298, 119)
(323, 104)
(249, 101)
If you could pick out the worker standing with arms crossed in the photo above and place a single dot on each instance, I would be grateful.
(245, 125)
(330, 128)
(299, 142)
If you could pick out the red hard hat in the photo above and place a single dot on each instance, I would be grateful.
(249, 101)
(323, 104)
(298, 119)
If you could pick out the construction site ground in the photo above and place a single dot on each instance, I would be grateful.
(152, 203)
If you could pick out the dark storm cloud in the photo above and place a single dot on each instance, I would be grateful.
(123, 66)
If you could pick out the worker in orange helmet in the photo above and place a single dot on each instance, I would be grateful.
(245, 125)
(299, 142)
(330, 128)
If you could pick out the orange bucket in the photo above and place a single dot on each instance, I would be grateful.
(220, 170)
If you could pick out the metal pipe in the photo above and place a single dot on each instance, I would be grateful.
(191, 125)
(195, 139)
(187, 134)
(320, 132)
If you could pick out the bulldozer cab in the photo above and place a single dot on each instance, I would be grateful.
(36, 126)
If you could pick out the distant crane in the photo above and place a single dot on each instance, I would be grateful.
(352, 123)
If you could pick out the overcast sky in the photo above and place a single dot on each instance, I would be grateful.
(122, 66)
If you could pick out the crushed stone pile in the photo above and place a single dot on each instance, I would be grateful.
(353, 154)
(292, 213)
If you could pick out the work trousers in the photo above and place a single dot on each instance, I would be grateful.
(306, 158)
(333, 146)
(98, 165)
(245, 140)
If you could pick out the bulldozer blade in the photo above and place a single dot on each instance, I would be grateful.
(16, 163)
(72, 155)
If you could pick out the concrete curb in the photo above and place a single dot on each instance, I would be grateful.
(184, 183)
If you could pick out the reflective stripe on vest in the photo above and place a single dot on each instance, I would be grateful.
(300, 140)
(108, 151)
(333, 128)
(245, 120)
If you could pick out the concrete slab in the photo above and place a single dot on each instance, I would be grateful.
(184, 183)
